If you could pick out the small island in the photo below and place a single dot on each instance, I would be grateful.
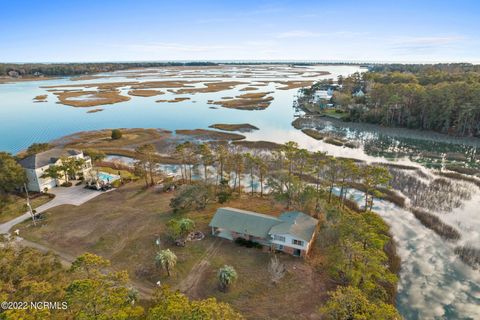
(241, 127)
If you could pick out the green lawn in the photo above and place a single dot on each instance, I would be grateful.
(17, 206)
(334, 114)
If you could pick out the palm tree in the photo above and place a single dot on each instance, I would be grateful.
(226, 276)
(186, 225)
(166, 259)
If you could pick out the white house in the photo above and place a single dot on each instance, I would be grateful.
(292, 232)
(322, 95)
(36, 165)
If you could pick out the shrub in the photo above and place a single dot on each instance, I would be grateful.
(79, 183)
(116, 134)
(66, 184)
(226, 276)
(248, 243)
(116, 183)
(191, 197)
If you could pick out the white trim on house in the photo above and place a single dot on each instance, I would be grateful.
(34, 172)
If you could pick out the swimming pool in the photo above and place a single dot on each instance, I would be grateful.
(107, 177)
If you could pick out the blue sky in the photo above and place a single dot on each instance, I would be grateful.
(124, 30)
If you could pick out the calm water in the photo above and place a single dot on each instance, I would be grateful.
(434, 283)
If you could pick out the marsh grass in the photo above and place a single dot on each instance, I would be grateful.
(96, 98)
(145, 93)
(469, 255)
(210, 134)
(242, 127)
(432, 222)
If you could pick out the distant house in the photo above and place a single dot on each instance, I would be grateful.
(323, 94)
(292, 232)
(13, 73)
(359, 93)
(36, 165)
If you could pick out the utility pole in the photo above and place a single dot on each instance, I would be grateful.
(29, 205)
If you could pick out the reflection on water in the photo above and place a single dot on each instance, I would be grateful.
(434, 150)
(434, 282)
(431, 193)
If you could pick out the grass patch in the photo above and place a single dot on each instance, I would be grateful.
(314, 134)
(210, 134)
(334, 113)
(334, 141)
(145, 93)
(432, 222)
(211, 87)
(16, 206)
(246, 103)
(95, 110)
(123, 225)
(459, 176)
(41, 98)
(287, 85)
(91, 98)
(242, 127)
(469, 255)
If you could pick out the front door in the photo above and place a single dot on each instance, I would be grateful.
(297, 252)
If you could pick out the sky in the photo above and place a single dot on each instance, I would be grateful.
(334, 30)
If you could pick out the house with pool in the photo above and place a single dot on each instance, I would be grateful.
(291, 232)
(36, 165)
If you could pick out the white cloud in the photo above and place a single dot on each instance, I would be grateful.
(310, 34)
(433, 40)
(424, 44)
(299, 34)
(178, 47)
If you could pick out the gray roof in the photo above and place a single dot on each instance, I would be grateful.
(47, 157)
(242, 221)
(297, 224)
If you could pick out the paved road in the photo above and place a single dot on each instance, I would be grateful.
(75, 195)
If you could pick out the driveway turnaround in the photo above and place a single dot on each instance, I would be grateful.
(75, 195)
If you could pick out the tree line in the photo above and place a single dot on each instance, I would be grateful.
(443, 98)
(72, 69)
(89, 289)
(292, 175)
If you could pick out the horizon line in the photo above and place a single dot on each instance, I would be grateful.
(233, 61)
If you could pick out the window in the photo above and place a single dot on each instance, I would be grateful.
(297, 242)
(279, 238)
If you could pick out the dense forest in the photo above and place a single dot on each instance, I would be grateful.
(443, 98)
(70, 69)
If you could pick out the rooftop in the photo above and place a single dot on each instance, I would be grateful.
(295, 223)
(47, 157)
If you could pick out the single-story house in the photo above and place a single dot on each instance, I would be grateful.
(36, 165)
(292, 232)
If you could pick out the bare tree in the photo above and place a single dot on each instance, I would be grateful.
(276, 269)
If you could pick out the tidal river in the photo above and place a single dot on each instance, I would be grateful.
(434, 282)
